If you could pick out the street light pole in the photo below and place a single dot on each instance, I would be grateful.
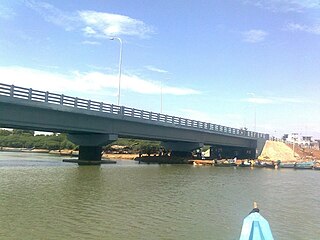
(120, 63)
(161, 98)
(255, 110)
(255, 117)
(161, 93)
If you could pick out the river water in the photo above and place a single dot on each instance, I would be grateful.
(43, 198)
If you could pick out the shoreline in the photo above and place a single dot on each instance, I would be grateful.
(71, 153)
(63, 152)
(136, 156)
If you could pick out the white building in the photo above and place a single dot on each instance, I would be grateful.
(305, 141)
(292, 138)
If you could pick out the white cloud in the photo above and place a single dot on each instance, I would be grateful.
(32, 78)
(92, 23)
(54, 15)
(285, 5)
(254, 36)
(91, 42)
(290, 100)
(6, 13)
(314, 29)
(77, 82)
(259, 100)
(231, 119)
(101, 24)
(89, 31)
(179, 91)
(155, 69)
(197, 115)
(273, 100)
(144, 86)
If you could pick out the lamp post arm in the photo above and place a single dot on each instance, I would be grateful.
(120, 65)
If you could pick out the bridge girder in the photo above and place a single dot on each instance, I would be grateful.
(19, 113)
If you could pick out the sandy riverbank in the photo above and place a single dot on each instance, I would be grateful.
(10, 149)
(38, 150)
(274, 151)
(67, 152)
(115, 156)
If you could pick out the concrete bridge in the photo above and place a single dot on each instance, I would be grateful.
(92, 124)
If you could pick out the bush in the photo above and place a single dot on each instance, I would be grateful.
(26, 139)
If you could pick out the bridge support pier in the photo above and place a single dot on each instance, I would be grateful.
(87, 152)
(90, 147)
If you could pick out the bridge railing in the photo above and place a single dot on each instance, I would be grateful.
(60, 99)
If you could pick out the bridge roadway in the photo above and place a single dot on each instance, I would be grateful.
(92, 124)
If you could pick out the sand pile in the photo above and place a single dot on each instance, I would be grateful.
(274, 151)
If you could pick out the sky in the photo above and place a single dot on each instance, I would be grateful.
(238, 63)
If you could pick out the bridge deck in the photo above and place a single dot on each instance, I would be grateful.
(35, 99)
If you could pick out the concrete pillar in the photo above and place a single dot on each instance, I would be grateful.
(89, 153)
(90, 147)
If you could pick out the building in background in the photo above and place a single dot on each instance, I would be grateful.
(301, 140)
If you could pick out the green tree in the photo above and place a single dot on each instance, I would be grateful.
(4, 132)
(22, 132)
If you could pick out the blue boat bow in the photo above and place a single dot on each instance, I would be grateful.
(255, 227)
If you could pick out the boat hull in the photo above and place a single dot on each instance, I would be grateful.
(287, 165)
(225, 165)
(259, 165)
(305, 165)
(255, 227)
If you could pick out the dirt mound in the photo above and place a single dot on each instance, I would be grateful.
(274, 151)
(307, 154)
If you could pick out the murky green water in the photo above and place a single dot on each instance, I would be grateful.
(43, 198)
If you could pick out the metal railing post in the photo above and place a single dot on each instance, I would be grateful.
(12, 91)
(121, 110)
(46, 97)
(30, 94)
(61, 99)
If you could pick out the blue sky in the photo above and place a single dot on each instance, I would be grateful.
(217, 61)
